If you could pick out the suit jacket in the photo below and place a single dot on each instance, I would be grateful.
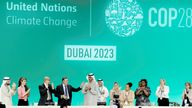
(43, 93)
(60, 92)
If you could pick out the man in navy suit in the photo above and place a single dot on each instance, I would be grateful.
(64, 92)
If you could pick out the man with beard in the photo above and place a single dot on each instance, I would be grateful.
(103, 93)
(7, 92)
(90, 91)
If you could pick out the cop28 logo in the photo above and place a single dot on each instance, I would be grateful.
(124, 17)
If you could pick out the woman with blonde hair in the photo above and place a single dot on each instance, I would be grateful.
(187, 95)
(115, 95)
(162, 93)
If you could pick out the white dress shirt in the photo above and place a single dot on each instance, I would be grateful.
(162, 92)
(48, 92)
(103, 93)
(65, 88)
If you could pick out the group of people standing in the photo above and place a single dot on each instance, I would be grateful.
(95, 93)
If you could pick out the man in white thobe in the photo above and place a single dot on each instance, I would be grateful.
(7, 92)
(90, 91)
(103, 93)
(1, 105)
(0, 97)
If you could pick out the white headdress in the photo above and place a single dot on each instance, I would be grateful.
(91, 75)
(101, 81)
(5, 80)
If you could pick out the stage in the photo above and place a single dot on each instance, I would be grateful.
(91, 107)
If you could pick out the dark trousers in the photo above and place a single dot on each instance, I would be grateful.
(188, 102)
(65, 103)
(22, 102)
(2, 106)
(117, 103)
(49, 102)
(163, 102)
(101, 103)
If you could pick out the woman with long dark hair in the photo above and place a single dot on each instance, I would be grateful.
(23, 92)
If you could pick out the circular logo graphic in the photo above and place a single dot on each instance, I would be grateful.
(124, 17)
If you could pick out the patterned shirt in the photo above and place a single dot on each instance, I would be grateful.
(142, 99)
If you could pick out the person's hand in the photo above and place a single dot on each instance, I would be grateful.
(14, 86)
(144, 90)
(86, 88)
(62, 96)
(52, 85)
(65, 97)
(162, 87)
(82, 84)
(103, 92)
(113, 93)
(140, 89)
(89, 87)
(185, 92)
(46, 86)
(28, 91)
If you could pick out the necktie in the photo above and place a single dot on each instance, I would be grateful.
(66, 91)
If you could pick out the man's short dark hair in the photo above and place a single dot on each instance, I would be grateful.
(64, 78)
(115, 82)
(130, 84)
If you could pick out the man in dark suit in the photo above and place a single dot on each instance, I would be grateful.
(64, 93)
(46, 90)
